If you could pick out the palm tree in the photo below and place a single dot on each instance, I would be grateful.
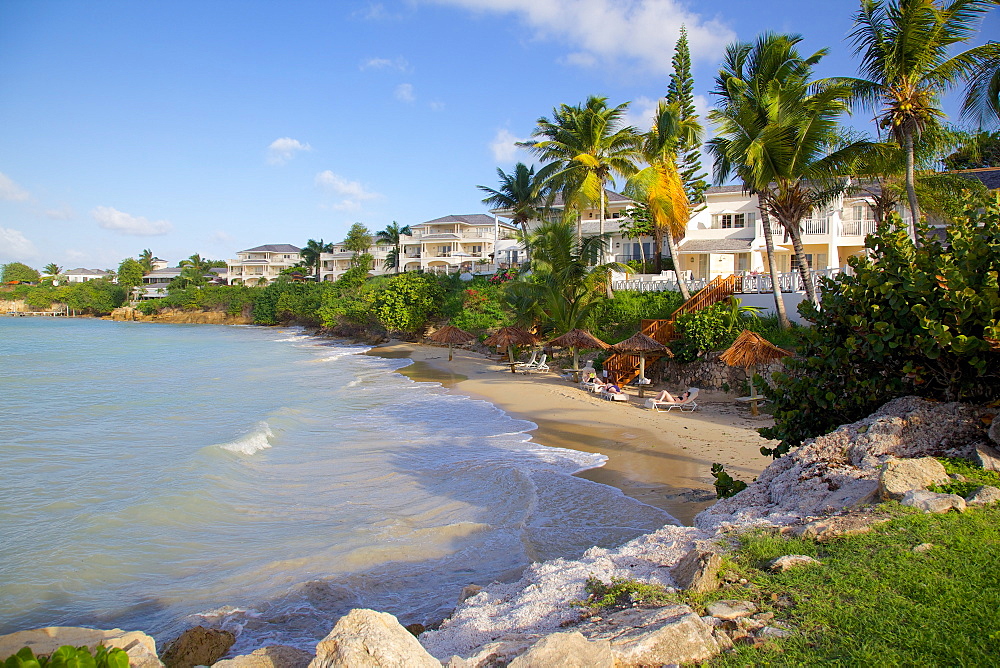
(391, 236)
(904, 47)
(146, 260)
(585, 148)
(566, 281)
(660, 186)
(52, 269)
(982, 95)
(521, 192)
(196, 262)
(311, 253)
(777, 132)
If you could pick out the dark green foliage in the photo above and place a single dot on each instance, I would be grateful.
(725, 484)
(286, 302)
(982, 151)
(616, 319)
(621, 593)
(716, 327)
(406, 301)
(230, 299)
(975, 477)
(681, 90)
(130, 273)
(479, 308)
(923, 321)
(18, 271)
(68, 656)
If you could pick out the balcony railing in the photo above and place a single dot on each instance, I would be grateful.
(857, 228)
(815, 227)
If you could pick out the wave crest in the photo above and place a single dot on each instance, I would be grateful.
(252, 442)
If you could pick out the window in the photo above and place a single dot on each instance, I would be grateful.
(477, 250)
(730, 221)
(743, 262)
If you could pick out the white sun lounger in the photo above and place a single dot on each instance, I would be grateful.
(530, 364)
(688, 404)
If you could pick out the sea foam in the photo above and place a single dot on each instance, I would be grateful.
(252, 442)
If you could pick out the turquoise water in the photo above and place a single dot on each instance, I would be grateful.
(159, 476)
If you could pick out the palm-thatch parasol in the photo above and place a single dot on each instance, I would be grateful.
(748, 350)
(451, 335)
(510, 337)
(641, 344)
(576, 340)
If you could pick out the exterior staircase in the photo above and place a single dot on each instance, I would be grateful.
(625, 366)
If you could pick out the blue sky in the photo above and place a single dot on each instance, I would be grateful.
(212, 126)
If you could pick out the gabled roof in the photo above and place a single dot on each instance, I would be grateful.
(714, 246)
(990, 176)
(610, 195)
(80, 271)
(468, 219)
(274, 248)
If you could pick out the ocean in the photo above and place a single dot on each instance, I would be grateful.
(154, 477)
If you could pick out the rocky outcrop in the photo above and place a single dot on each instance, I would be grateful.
(986, 455)
(276, 656)
(141, 648)
(368, 639)
(899, 476)
(566, 650)
(933, 502)
(198, 646)
(984, 495)
(790, 561)
(698, 570)
(657, 636)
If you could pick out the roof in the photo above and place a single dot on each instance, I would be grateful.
(718, 190)
(990, 176)
(468, 219)
(715, 246)
(80, 271)
(165, 271)
(611, 196)
(274, 248)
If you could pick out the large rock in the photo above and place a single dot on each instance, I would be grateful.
(899, 476)
(933, 502)
(275, 656)
(994, 430)
(730, 610)
(984, 495)
(141, 649)
(697, 571)
(790, 561)
(198, 646)
(566, 650)
(842, 525)
(657, 636)
(987, 457)
(368, 639)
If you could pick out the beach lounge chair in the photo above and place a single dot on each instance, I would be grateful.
(530, 364)
(542, 366)
(688, 404)
(614, 396)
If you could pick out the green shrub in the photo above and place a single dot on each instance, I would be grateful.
(406, 301)
(622, 592)
(68, 656)
(616, 319)
(725, 484)
(921, 320)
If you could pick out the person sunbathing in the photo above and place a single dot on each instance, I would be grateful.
(611, 388)
(667, 398)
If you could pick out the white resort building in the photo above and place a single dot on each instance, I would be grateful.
(261, 265)
(81, 275)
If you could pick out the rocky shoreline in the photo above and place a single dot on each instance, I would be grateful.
(827, 487)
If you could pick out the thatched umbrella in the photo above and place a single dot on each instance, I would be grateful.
(748, 350)
(510, 337)
(641, 344)
(576, 340)
(451, 335)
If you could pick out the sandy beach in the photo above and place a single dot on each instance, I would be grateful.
(662, 459)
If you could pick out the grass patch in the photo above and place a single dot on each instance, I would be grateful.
(975, 477)
(875, 602)
(623, 592)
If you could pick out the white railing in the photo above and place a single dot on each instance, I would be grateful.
(815, 227)
(787, 282)
(657, 286)
(857, 228)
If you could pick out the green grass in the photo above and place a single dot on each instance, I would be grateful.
(875, 602)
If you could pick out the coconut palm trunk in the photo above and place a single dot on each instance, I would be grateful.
(805, 271)
(675, 258)
(779, 300)
(911, 192)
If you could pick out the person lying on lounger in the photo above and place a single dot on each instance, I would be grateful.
(667, 398)
(611, 388)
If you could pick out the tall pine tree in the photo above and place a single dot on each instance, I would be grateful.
(681, 89)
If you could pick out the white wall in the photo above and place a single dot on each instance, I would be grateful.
(766, 301)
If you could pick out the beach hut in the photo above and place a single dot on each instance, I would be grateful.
(451, 335)
(748, 350)
(642, 345)
(577, 340)
(511, 337)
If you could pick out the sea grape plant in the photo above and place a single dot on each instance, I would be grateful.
(68, 656)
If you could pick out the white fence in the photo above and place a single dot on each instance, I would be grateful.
(751, 283)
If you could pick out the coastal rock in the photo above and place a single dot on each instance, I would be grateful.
(198, 646)
(842, 525)
(657, 636)
(141, 648)
(986, 456)
(730, 610)
(933, 502)
(468, 591)
(698, 571)
(368, 639)
(994, 431)
(984, 495)
(899, 476)
(790, 561)
(498, 653)
(567, 649)
(275, 656)
(923, 547)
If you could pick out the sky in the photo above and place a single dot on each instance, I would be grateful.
(212, 126)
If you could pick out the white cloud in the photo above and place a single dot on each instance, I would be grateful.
(504, 146)
(400, 64)
(118, 221)
(375, 11)
(14, 246)
(636, 30)
(352, 192)
(404, 93)
(221, 237)
(65, 212)
(640, 113)
(282, 150)
(10, 191)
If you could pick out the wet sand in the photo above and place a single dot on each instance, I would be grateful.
(662, 459)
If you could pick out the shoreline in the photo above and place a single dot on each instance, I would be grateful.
(661, 459)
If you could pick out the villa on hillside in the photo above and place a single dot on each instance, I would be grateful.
(261, 265)
(450, 244)
(81, 275)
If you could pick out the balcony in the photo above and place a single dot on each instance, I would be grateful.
(816, 226)
(857, 228)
